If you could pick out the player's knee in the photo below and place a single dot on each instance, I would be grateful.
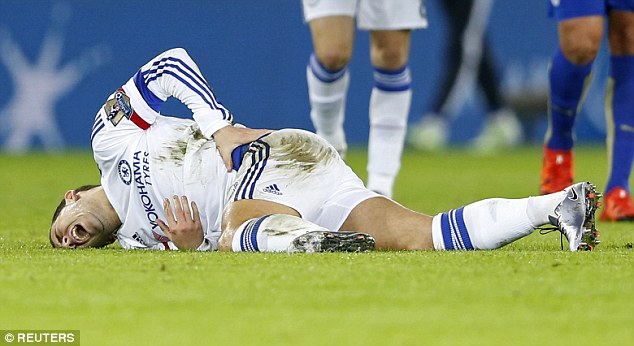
(333, 59)
(389, 59)
(580, 39)
(389, 50)
(582, 49)
(580, 54)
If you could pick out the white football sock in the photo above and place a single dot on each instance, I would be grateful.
(389, 109)
(540, 207)
(328, 103)
(388, 125)
(271, 233)
(491, 223)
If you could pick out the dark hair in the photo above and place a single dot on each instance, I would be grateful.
(62, 204)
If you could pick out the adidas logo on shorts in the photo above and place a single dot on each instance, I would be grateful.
(273, 189)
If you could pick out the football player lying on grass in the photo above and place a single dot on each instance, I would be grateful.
(204, 184)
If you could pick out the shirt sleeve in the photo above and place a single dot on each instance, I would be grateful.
(173, 73)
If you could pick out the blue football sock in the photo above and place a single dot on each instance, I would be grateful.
(567, 85)
(620, 119)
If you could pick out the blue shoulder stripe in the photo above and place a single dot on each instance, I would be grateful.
(96, 127)
(148, 96)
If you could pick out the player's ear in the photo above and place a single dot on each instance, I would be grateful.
(71, 196)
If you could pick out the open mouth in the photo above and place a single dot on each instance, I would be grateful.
(78, 235)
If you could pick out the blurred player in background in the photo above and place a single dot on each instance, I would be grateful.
(469, 64)
(166, 185)
(580, 30)
(332, 25)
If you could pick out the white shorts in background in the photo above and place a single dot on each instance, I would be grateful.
(301, 170)
(371, 14)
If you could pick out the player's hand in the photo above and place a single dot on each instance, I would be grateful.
(183, 224)
(230, 137)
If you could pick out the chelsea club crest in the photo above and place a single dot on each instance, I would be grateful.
(124, 172)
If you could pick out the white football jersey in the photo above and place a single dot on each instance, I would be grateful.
(145, 157)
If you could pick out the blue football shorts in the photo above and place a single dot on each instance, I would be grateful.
(567, 9)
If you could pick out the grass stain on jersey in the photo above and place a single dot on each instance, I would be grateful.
(198, 135)
(173, 152)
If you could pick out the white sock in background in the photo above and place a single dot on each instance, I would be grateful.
(327, 92)
(389, 109)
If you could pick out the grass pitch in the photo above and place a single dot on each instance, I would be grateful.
(528, 293)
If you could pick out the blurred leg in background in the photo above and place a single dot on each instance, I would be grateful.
(470, 65)
(580, 32)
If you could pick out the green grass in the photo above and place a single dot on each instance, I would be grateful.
(528, 293)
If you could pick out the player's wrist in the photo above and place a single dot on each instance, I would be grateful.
(190, 244)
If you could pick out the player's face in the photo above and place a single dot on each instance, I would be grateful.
(84, 222)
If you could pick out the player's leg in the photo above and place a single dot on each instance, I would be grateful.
(389, 107)
(237, 237)
(580, 30)
(265, 226)
(256, 225)
(389, 23)
(282, 176)
(290, 172)
(433, 130)
(620, 114)
(484, 225)
(392, 225)
(502, 128)
(332, 28)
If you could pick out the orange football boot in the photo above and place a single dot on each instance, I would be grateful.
(617, 206)
(557, 171)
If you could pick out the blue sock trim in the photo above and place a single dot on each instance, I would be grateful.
(322, 73)
(446, 231)
(249, 237)
(392, 80)
(454, 231)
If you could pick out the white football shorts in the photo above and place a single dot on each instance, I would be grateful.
(371, 14)
(303, 171)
